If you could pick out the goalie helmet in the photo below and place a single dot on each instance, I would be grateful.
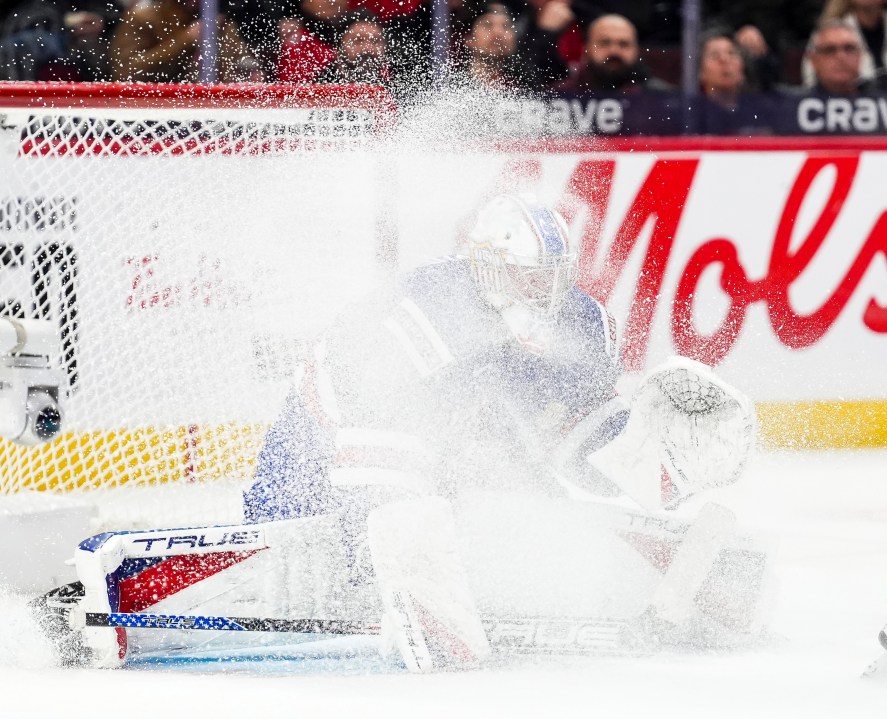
(521, 254)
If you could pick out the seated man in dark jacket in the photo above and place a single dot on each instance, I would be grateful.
(612, 61)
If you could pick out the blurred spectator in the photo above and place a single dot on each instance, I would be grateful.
(309, 40)
(362, 55)
(258, 24)
(57, 40)
(159, 41)
(721, 69)
(771, 34)
(491, 59)
(835, 54)
(551, 33)
(550, 38)
(612, 61)
(407, 25)
(724, 107)
(310, 37)
(656, 22)
(870, 20)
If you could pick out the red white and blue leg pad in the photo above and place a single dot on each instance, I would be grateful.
(129, 572)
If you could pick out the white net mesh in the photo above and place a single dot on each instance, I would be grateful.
(186, 254)
(227, 132)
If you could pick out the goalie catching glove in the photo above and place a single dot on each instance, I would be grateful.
(688, 431)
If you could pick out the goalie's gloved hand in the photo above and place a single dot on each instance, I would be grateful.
(705, 426)
(686, 421)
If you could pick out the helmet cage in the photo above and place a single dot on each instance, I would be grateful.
(538, 283)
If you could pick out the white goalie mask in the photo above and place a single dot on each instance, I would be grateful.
(521, 254)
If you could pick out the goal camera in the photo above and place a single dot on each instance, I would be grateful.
(30, 384)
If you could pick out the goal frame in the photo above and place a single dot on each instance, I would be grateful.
(106, 100)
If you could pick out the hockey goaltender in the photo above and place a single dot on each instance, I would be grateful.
(430, 429)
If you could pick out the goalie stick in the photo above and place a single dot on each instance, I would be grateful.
(523, 635)
(229, 624)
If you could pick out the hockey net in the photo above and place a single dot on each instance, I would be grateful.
(188, 241)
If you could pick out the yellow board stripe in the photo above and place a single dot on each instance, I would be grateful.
(822, 424)
(154, 456)
(107, 459)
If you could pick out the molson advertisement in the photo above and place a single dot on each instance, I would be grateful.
(770, 264)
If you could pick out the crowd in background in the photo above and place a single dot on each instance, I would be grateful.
(831, 47)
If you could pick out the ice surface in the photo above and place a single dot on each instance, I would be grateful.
(828, 513)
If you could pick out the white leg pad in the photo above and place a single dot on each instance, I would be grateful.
(711, 531)
(428, 603)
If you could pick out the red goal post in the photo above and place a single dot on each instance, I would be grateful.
(187, 241)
